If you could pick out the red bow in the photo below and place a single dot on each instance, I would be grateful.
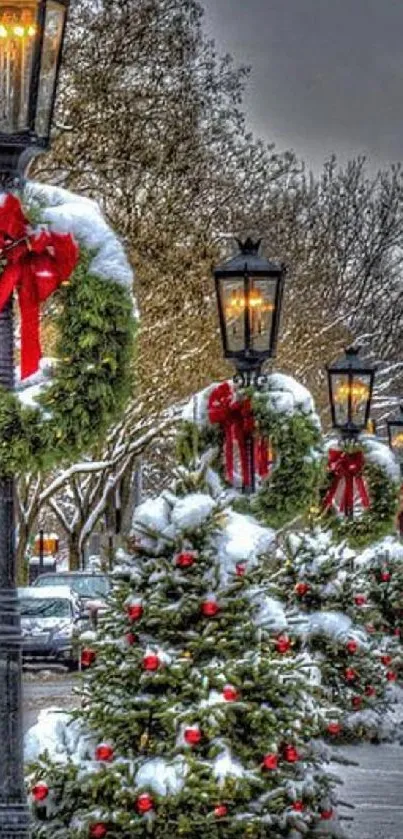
(238, 424)
(347, 467)
(36, 265)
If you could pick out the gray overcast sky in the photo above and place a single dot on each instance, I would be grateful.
(327, 75)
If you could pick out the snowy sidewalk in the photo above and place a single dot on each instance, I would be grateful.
(375, 787)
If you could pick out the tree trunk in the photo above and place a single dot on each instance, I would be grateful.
(21, 549)
(74, 551)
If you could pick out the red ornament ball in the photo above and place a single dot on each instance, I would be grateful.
(240, 569)
(131, 638)
(209, 608)
(104, 752)
(40, 791)
(396, 631)
(87, 657)
(356, 701)
(360, 600)
(386, 660)
(334, 728)
(144, 803)
(299, 806)
(352, 646)
(151, 662)
(290, 754)
(270, 761)
(301, 589)
(185, 559)
(391, 676)
(283, 644)
(220, 811)
(370, 690)
(350, 674)
(230, 693)
(135, 611)
(326, 814)
(192, 736)
(98, 830)
(385, 576)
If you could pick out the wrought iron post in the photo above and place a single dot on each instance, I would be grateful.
(14, 812)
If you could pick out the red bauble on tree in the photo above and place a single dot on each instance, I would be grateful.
(230, 693)
(290, 754)
(283, 644)
(98, 830)
(185, 559)
(360, 600)
(301, 589)
(240, 569)
(209, 608)
(391, 676)
(350, 674)
(40, 791)
(386, 660)
(87, 657)
(334, 728)
(151, 662)
(356, 702)
(144, 803)
(299, 806)
(370, 690)
(104, 752)
(135, 612)
(385, 576)
(351, 646)
(131, 638)
(270, 761)
(220, 811)
(326, 814)
(192, 735)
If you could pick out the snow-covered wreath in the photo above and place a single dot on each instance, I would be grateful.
(56, 247)
(287, 443)
(360, 493)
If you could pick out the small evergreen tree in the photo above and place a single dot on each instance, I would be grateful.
(199, 722)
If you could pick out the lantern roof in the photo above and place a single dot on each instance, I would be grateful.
(351, 361)
(248, 261)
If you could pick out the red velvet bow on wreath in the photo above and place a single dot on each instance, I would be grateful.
(237, 421)
(347, 476)
(35, 264)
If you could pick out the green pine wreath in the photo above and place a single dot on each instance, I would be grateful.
(373, 523)
(293, 484)
(92, 376)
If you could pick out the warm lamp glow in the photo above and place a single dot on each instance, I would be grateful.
(356, 390)
(237, 303)
(397, 440)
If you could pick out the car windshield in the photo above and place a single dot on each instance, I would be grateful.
(49, 607)
(89, 585)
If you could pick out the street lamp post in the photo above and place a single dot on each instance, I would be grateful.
(395, 436)
(31, 42)
(249, 291)
(351, 383)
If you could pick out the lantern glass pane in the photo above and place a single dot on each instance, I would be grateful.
(351, 394)
(396, 439)
(52, 43)
(18, 35)
(262, 298)
(233, 309)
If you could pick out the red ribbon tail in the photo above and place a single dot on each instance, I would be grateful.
(348, 497)
(362, 491)
(30, 343)
(262, 456)
(331, 494)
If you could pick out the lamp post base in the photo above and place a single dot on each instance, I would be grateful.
(14, 821)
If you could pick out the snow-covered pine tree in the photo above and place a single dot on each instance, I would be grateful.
(334, 619)
(196, 721)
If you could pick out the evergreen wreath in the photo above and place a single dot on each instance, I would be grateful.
(292, 486)
(373, 522)
(91, 378)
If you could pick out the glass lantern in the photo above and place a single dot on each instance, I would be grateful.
(350, 392)
(395, 435)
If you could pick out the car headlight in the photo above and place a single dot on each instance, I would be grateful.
(64, 632)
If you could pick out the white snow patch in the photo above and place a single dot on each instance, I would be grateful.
(242, 539)
(162, 776)
(192, 511)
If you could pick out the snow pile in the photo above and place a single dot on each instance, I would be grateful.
(242, 539)
(162, 776)
(390, 547)
(58, 734)
(66, 212)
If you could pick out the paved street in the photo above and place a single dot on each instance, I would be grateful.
(41, 691)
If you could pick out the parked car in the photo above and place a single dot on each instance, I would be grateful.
(92, 589)
(51, 619)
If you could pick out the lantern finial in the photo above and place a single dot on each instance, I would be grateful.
(249, 246)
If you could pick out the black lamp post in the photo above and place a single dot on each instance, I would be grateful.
(31, 42)
(351, 382)
(395, 435)
(249, 291)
